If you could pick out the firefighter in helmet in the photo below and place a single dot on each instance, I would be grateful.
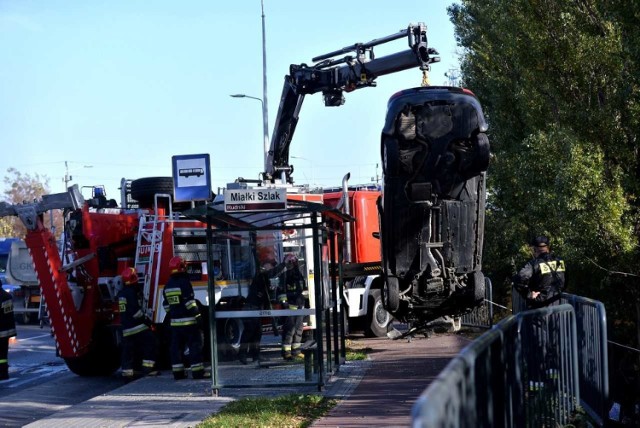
(291, 296)
(137, 339)
(7, 330)
(185, 320)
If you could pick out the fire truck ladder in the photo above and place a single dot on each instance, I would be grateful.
(149, 242)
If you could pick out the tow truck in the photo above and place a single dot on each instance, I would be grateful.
(79, 284)
(435, 154)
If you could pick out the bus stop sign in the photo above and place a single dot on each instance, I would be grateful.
(191, 178)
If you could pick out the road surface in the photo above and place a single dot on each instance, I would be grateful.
(40, 383)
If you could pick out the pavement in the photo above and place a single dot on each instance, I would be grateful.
(379, 391)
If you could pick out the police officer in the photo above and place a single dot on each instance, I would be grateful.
(186, 321)
(137, 338)
(7, 330)
(291, 296)
(542, 279)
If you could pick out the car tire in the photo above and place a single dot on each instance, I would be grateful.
(378, 319)
(391, 294)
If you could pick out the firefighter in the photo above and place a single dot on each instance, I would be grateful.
(186, 321)
(257, 299)
(7, 330)
(542, 279)
(137, 339)
(291, 296)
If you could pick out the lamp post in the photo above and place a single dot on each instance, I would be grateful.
(265, 123)
(263, 100)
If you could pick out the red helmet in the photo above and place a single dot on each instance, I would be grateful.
(177, 264)
(129, 276)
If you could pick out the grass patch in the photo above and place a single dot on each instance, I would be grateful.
(294, 410)
(357, 354)
(354, 352)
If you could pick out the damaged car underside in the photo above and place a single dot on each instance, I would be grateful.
(434, 153)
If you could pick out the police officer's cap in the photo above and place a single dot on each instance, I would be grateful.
(540, 241)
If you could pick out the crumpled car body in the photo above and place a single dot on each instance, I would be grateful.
(435, 154)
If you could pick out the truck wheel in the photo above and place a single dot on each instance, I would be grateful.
(102, 359)
(378, 319)
(229, 337)
(391, 294)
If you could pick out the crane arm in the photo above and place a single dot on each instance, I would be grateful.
(334, 76)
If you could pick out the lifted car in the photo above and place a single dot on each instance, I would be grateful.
(434, 154)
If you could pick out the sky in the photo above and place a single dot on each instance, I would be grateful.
(105, 90)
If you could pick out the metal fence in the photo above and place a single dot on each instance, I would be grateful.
(521, 373)
(593, 360)
(593, 364)
(482, 316)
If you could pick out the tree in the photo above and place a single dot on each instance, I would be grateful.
(559, 82)
(21, 188)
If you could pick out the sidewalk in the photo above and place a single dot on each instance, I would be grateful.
(382, 389)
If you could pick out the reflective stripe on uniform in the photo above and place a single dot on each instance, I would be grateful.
(173, 295)
(183, 321)
(286, 348)
(548, 267)
(127, 373)
(197, 367)
(296, 346)
(3, 361)
(177, 367)
(133, 330)
(148, 363)
(191, 304)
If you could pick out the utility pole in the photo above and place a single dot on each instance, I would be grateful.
(265, 119)
(67, 178)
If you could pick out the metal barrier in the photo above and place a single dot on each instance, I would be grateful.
(593, 363)
(522, 372)
(593, 360)
(482, 316)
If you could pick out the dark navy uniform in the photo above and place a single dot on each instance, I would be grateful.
(182, 309)
(137, 338)
(541, 281)
(7, 330)
(291, 295)
(544, 274)
(257, 299)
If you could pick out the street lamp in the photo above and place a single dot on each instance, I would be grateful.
(263, 100)
(265, 123)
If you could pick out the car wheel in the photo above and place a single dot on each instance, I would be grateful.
(391, 294)
(378, 319)
(390, 157)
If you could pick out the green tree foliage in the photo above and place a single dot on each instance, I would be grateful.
(558, 80)
(21, 188)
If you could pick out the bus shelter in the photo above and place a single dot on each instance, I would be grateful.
(303, 241)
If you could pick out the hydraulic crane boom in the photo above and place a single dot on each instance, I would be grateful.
(332, 77)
